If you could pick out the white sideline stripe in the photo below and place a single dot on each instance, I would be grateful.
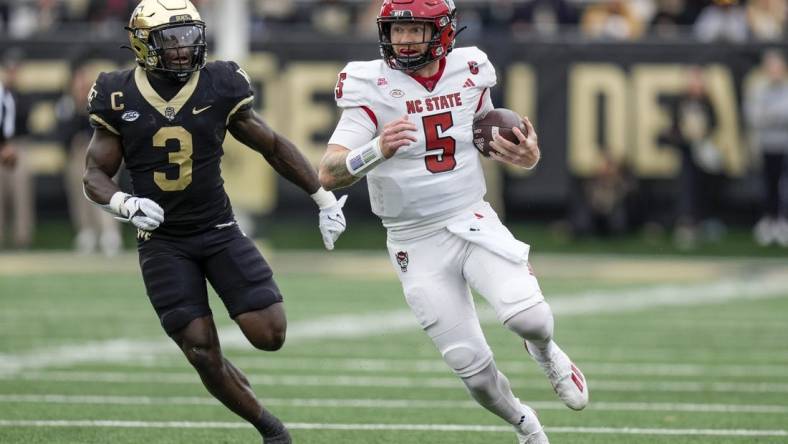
(371, 324)
(398, 427)
(389, 403)
(404, 381)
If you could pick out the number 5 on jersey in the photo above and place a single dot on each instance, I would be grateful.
(433, 126)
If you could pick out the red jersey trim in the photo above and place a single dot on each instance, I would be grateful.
(371, 115)
(481, 100)
(430, 82)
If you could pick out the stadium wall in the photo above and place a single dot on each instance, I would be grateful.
(585, 99)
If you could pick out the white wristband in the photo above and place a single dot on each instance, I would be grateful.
(323, 198)
(116, 203)
(361, 160)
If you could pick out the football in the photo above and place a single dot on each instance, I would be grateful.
(498, 121)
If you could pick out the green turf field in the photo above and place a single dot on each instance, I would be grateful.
(676, 350)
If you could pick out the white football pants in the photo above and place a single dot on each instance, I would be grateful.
(437, 273)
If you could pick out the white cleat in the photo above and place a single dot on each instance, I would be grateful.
(567, 380)
(530, 430)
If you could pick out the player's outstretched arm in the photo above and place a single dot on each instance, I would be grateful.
(287, 160)
(333, 172)
(250, 129)
(105, 153)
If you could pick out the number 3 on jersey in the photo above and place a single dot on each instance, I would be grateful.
(182, 158)
(433, 126)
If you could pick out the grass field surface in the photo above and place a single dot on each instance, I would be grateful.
(676, 350)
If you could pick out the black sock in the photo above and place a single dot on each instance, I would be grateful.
(270, 426)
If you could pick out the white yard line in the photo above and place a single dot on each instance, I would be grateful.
(352, 380)
(388, 403)
(392, 427)
(372, 365)
(370, 324)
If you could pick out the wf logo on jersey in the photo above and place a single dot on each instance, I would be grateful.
(402, 260)
(143, 235)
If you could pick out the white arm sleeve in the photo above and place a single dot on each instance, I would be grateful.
(485, 105)
(355, 128)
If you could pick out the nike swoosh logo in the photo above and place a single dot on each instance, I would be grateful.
(196, 111)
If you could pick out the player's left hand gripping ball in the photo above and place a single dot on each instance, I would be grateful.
(332, 222)
(143, 213)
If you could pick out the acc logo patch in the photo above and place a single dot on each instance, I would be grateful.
(402, 260)
(397, 93)
(130, 116)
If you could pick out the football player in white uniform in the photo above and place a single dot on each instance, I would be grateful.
(407, 126)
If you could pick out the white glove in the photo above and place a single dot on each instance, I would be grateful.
(143, 213)
(332, 222)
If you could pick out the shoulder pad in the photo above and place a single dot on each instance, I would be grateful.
(100, 99)
(477, 65)
(230, 81)
(356, 84)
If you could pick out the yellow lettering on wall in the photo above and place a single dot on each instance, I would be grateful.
(727, 136)
(305, 116)
(42, 76)
(652, 119)
(587, 83)
(521, 97)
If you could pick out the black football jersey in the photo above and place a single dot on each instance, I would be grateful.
(173, 148)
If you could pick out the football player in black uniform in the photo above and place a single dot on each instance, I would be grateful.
(167, 119)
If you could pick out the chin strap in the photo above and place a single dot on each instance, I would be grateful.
(459, 31)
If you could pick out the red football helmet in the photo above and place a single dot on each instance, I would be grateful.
(438, 13)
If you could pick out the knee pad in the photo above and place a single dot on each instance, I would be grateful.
(464, 349)
(535, 323)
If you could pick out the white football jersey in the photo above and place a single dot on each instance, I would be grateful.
(427, 183)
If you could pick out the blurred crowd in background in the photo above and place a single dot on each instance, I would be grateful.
(601, 204)
(708, 20)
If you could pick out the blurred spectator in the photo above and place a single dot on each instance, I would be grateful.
(766, 19)
(268, 15)
(96, 229)
(670, 17)
(366, 21)
(546, 17)
(331, 17)
(611, 19)
(767, 114)
(111, 10)
(16, 184)
(694, 122)
(503, 16)
(723, 20)
(602, 205)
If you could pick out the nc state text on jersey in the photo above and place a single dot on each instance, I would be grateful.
(434, 103)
